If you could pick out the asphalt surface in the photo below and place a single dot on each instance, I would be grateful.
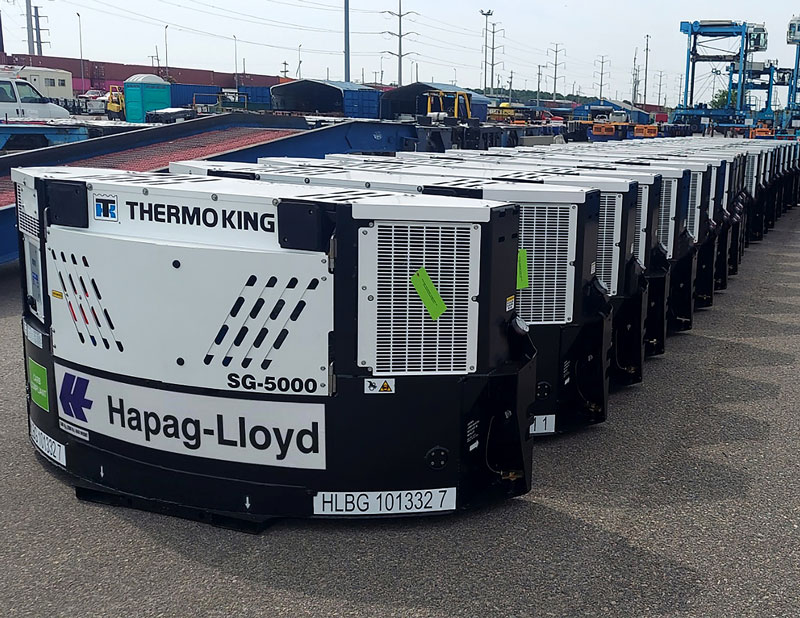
(685, 503)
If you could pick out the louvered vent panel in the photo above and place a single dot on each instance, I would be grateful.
(750, 173)
(665, 213)
(694, 203)
(607, 236)
(405, 339)
(641, 222)
(548, 233)
(25, 223)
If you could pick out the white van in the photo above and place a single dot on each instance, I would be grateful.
(18, 99)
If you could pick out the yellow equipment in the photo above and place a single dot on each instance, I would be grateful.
(115, 107)
(444, 98)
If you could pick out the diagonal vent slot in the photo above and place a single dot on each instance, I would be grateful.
(259, 319)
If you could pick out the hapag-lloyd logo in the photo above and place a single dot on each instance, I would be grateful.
(73, 397)
(261, 432)
(253, 431)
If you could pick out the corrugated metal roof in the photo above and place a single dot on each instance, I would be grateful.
(475, 97)
(621, 104)
(340, 85)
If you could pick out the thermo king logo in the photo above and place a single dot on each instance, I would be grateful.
(105, 207)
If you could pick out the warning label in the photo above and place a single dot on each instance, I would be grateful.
(379, 386)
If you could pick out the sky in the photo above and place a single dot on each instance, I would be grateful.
(444, 41)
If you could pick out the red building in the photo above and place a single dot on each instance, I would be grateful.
(101, 75)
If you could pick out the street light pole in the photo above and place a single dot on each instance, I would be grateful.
(236, 61)
(166, 51)
(80, 43)
(347, 40)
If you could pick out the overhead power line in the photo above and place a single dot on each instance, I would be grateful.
(114, 11)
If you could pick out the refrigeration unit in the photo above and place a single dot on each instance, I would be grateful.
(617, 265)
(673, 216)
(700, 225)
(235, 351)
(558, 294)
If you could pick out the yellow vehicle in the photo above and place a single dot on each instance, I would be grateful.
(444, 100)
(115, 107)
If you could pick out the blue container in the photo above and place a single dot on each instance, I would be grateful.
(361, 103)
(183, 95)
(258, 94)
(480, 111)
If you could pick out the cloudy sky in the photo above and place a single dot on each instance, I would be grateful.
(446, 39)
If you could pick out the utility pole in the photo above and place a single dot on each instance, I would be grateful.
(555, 49)
(510, 83)
(38, 31)
(166, 52)
(362, 75)
(236, 62)
(487, 15)
(602, 60)
(634, 78)
(539, 84)
(347, 40)
(399, 34)
(299, 62)
(494, 47)
(29, 26)
(646, 62)
(80, 47)
(680, 87)
(285, 70)
(660, 79)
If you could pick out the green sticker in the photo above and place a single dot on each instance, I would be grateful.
(428, 293)
(38, 380)
(522, 269)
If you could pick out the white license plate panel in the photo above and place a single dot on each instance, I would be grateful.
(48, 447)
(353, 503)
(543, 424)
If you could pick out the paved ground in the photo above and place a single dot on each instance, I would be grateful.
(686, 503)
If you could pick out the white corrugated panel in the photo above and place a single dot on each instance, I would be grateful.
(396, 334)
(548, 233)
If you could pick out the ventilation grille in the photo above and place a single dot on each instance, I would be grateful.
(750, 173)
(260, 320)
(666, 213)
(548, 234)
(25, 222)
(93, 323)
(693, 222)
(406, 340)
(608, 235)
(641, 222)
